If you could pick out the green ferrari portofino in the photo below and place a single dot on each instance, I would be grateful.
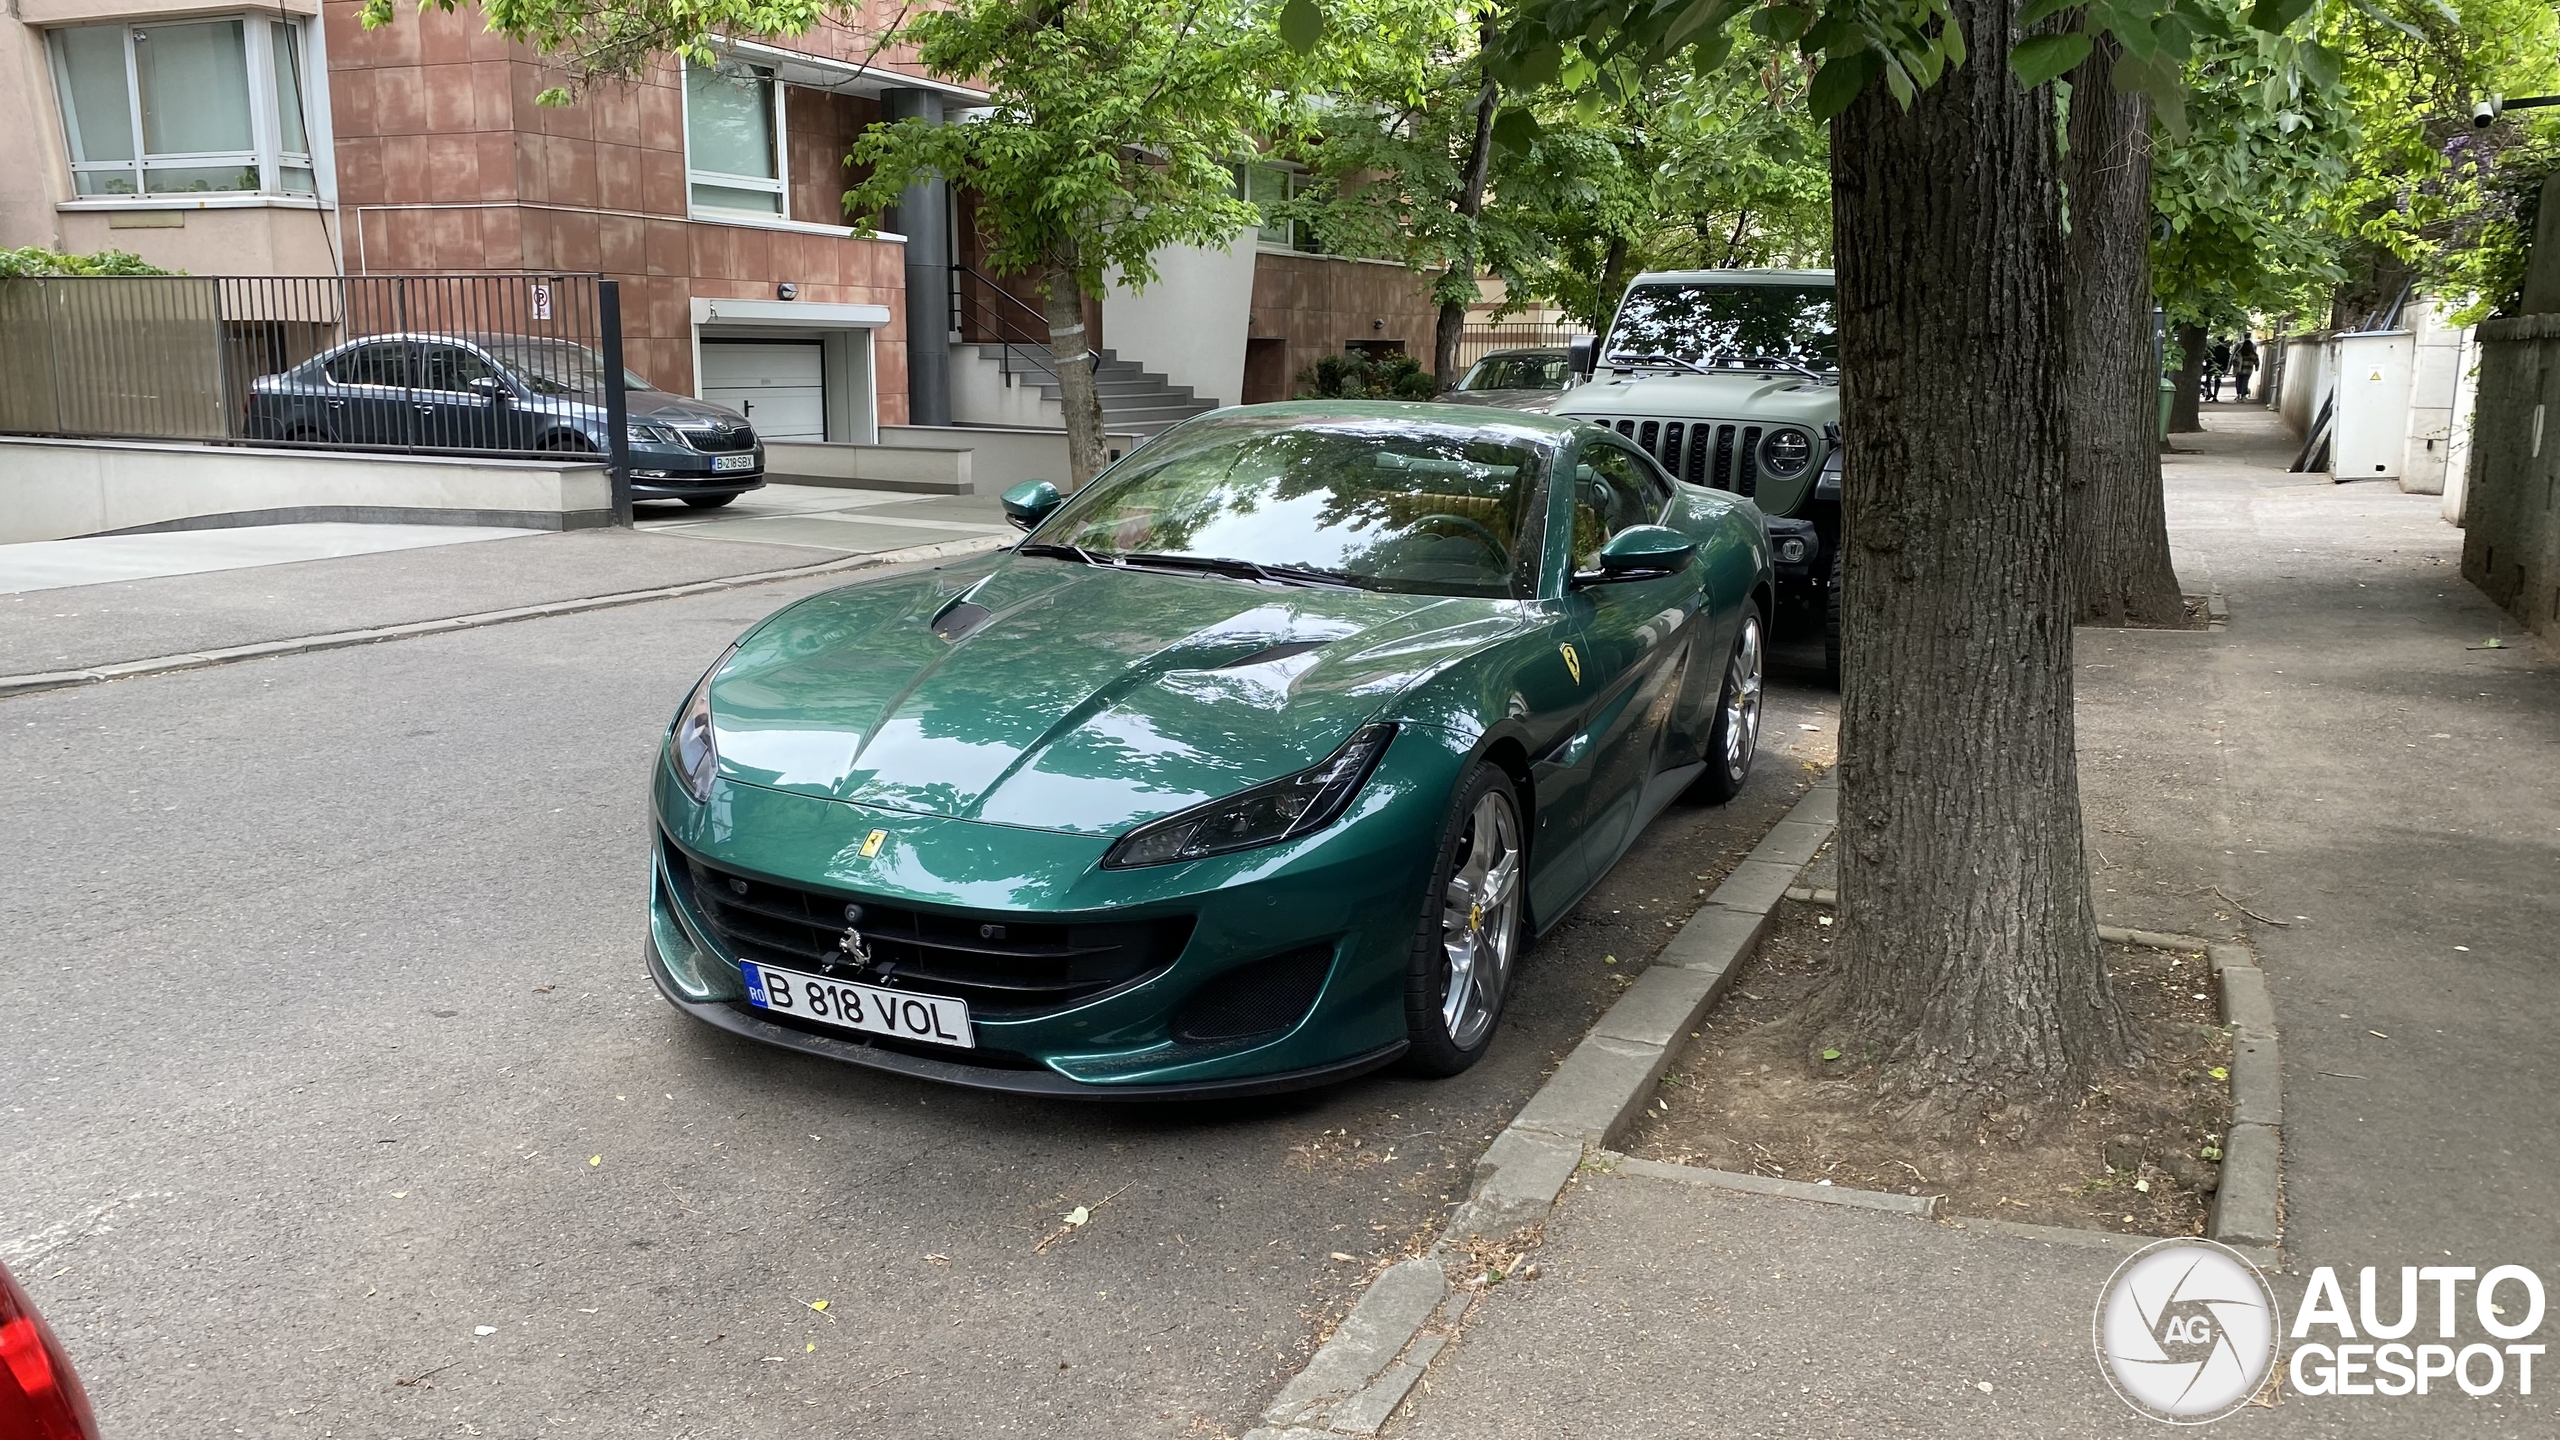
(1256, 764)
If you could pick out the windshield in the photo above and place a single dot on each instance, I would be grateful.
(1385, 504)
(1711, 325)
(556, 367)
(1541, 370)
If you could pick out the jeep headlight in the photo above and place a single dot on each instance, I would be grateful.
(690, 748)
(1785, 452)
(1281, 809)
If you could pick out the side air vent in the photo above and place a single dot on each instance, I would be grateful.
(960, 619)
(1262, 998)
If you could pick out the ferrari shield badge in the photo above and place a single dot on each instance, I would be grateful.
(1572, 662)
(871, 843)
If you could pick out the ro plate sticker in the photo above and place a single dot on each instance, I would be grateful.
(755, 985)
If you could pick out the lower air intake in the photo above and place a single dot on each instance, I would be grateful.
(1262, 998)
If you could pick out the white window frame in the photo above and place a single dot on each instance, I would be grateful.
(779, 186)
(1292, 178)
(266, 127)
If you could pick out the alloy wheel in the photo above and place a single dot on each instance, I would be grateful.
(1742, 701)
(1479, 920)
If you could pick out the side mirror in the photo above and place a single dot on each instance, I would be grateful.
(1643, 552)
(490, 387)
(1582, 355)
(1030, 502)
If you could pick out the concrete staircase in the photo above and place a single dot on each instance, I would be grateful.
(1135, 400)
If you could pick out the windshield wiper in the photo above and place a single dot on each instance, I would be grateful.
(1063, 551)
(1247, 570)
(1656, 358)
(1780, 362)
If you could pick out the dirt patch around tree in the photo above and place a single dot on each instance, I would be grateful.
(1753, 1093)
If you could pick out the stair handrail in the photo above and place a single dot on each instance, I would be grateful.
(1010, 332)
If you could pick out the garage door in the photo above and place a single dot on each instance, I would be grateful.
(779, 385)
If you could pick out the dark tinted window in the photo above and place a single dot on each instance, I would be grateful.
(450, 367)
(382, 363)
(1728, 324)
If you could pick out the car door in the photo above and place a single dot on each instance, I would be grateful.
(455, 404)
(368, 400)
(1624, 647)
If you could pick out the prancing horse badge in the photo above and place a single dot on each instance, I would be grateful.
(871, 843)
(1572, 662)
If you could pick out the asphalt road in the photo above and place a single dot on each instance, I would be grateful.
(334, 1099)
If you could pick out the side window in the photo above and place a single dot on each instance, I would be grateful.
(384, 363)
(1612, 490)
(450, 367)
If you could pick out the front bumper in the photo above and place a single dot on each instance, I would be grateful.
(1354, 889)
(1795, 551)
(676, 472)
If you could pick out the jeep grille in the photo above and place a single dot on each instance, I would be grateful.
(1721, 456)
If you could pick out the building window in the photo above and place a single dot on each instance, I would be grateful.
(733, 138)
(1260, 184)
(185, 108)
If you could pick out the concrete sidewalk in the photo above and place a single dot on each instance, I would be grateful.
(2340, 759)
(226, 590)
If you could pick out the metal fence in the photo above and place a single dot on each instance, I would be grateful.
(1477, 341)
(514, 364)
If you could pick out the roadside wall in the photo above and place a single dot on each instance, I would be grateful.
(57, 489)
(1315, 305)
(2511, 528)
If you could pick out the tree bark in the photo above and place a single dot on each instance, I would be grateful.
(2185, 416)
(1470, 205)
(2119, 528)
(1070, 356)
(1969, 948)
(1613, 283)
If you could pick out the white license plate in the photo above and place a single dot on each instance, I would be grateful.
(725, 463)
(867, 1008)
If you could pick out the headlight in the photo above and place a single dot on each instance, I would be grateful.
(1785, 453)
(1266, 814)
(641, 432)
(691, 748)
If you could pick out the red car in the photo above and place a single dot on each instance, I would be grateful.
(40, 1397)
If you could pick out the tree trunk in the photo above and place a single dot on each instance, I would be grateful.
(1470, 204)
(2119, 530)
(1070, 356)
(1613, 283)
(1969, 949)
(2184, 416)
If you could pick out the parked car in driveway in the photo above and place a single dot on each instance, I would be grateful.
(40, 1396)
(506, 393)
(1257, 764)
(1515, 380)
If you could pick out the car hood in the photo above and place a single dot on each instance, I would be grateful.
(1058, 696)
(1677, 395)
(1536, 402)
(665, 406)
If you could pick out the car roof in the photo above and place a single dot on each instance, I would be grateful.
(1472, 417)
(1734, 277)
(1543, 351)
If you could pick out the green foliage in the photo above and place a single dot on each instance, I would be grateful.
(1108, 131)
(1354, 375)
(1682, 170)
(35, 260)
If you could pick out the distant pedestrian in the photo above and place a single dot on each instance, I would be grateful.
(2217, 363)
(2244, 364)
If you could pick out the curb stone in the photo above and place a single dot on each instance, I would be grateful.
(40, 682)
(1372, 1361)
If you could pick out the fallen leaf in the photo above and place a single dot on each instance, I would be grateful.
(812, 1345)
(399, 1194)
(595, 1159)
(2142, 1185)
(1345, 1259)
(1079, 1215)
(1982, 1385)
(817, 1304)
(484, 1329)
(1830, 1054)
(2219, 1072)
(1612, 959)
(938, 1258)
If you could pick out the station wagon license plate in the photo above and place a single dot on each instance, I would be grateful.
(867, 1008)
(726, 463)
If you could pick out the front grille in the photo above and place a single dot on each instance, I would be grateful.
(1722, 456)
(718, 437)
(1003, 965)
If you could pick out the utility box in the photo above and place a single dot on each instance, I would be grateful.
(2370, 423)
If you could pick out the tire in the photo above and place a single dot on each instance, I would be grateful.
(566, 445)
(1480, 843)
(1735, 740)
(708, 502)
(1831, 625)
